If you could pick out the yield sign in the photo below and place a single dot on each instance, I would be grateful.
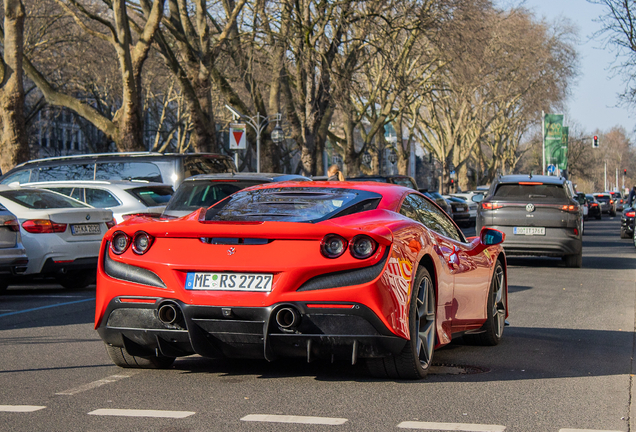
(238, 136)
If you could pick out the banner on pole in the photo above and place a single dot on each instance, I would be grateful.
(562, 159)
(553, 137)
(238, 136)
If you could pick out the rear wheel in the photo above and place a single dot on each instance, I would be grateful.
(416, 357)
(4, 284)
(612, 213)
(598, 216)
(574, 261)
(75, 280)
(121, 358)
(624, 234)
(493, 328)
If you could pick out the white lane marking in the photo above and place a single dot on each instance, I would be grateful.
(465, 427)
(94, 384)
(585, 430)
(20, 408)
(142, 413)
(271, 418)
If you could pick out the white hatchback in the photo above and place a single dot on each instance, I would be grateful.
(61, 235)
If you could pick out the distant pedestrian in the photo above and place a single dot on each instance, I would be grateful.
(334, 173)
(632, 196)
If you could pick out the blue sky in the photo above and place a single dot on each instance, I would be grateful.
(593, 100)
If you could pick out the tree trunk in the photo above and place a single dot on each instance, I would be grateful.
(14, 146)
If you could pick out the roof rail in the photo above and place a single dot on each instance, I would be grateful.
(88, 155)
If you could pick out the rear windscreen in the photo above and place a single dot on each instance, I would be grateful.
(195, 165)
(292, 204)
(152, 195)
(41, 199)
(531, 192)
(193, 195)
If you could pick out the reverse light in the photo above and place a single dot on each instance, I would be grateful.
(491, 206)
(362, 246)
(13, 225)
(119, 243)
(333, 246)
(630, 213)
(43, 226)
(141, 242)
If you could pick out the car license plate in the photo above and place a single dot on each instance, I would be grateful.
(529, 230)
(229, 282)
(85, 229)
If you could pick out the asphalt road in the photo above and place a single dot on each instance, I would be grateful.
(565, 364)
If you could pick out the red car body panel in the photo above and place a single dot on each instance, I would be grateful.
(462, 270)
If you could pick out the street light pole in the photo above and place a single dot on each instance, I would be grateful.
(258, 123)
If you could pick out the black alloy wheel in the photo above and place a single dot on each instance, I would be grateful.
(492, 331)
(121, 358)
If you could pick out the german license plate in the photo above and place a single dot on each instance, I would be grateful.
(529, 230)
(85, 229)
(229, 282)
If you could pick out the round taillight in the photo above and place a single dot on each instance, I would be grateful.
(141, 242)
(362, 246)
(333, 246)
(119, 243)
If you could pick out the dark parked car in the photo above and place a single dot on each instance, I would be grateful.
(538, 214)
(206, 189)
(594, 207)
(397, 179)
(460, 211)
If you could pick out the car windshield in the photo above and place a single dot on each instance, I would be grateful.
(292, 204)
(201, 164)
(152, 195)
(534, 191)
(193, 195)
(41, 199)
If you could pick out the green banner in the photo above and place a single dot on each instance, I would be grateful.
(562, 159)
(552, 138)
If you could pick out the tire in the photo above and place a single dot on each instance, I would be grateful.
(598, 216)
(121, 358)
(634, 236)
(624, 234)
(574, 261)
(76, 280)
(4, 284)
(492, 330)
(613, 213)
(415, 360)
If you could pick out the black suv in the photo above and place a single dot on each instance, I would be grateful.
(538, 214)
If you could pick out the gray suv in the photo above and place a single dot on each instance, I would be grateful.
(538, 214)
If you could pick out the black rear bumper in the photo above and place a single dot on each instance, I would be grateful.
(351, 332)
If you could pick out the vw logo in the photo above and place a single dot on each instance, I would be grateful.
(231, 251)
(530, 208)
(88, 217)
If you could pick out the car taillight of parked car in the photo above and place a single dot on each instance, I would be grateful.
(630, 213)
(13, 225)
(491, 206)
(111, 223)
(570, 208)
(611, 201)
(43, 226)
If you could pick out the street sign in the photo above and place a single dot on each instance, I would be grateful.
(453, 174)
(238, 136)
(551, 169)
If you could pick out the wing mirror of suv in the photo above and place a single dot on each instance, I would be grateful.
(490, 237)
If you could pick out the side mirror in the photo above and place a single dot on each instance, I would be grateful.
(477, 198)
(490, 237)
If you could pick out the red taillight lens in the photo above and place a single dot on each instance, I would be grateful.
(111, 223)
(43, 226)
(119, 242)
(142, 242)
(630, 214)
(594, 205)
(13, 225)
(576, 232)
(362, 246)
(491, 206)
(571, 208)
(611, 201)
(333, 246)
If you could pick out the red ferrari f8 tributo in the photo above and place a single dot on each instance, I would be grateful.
(323, 269)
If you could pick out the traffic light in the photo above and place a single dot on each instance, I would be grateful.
(624, 172)
(595, 142)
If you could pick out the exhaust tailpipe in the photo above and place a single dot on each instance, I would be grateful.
(169, 313)
(287, 318)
